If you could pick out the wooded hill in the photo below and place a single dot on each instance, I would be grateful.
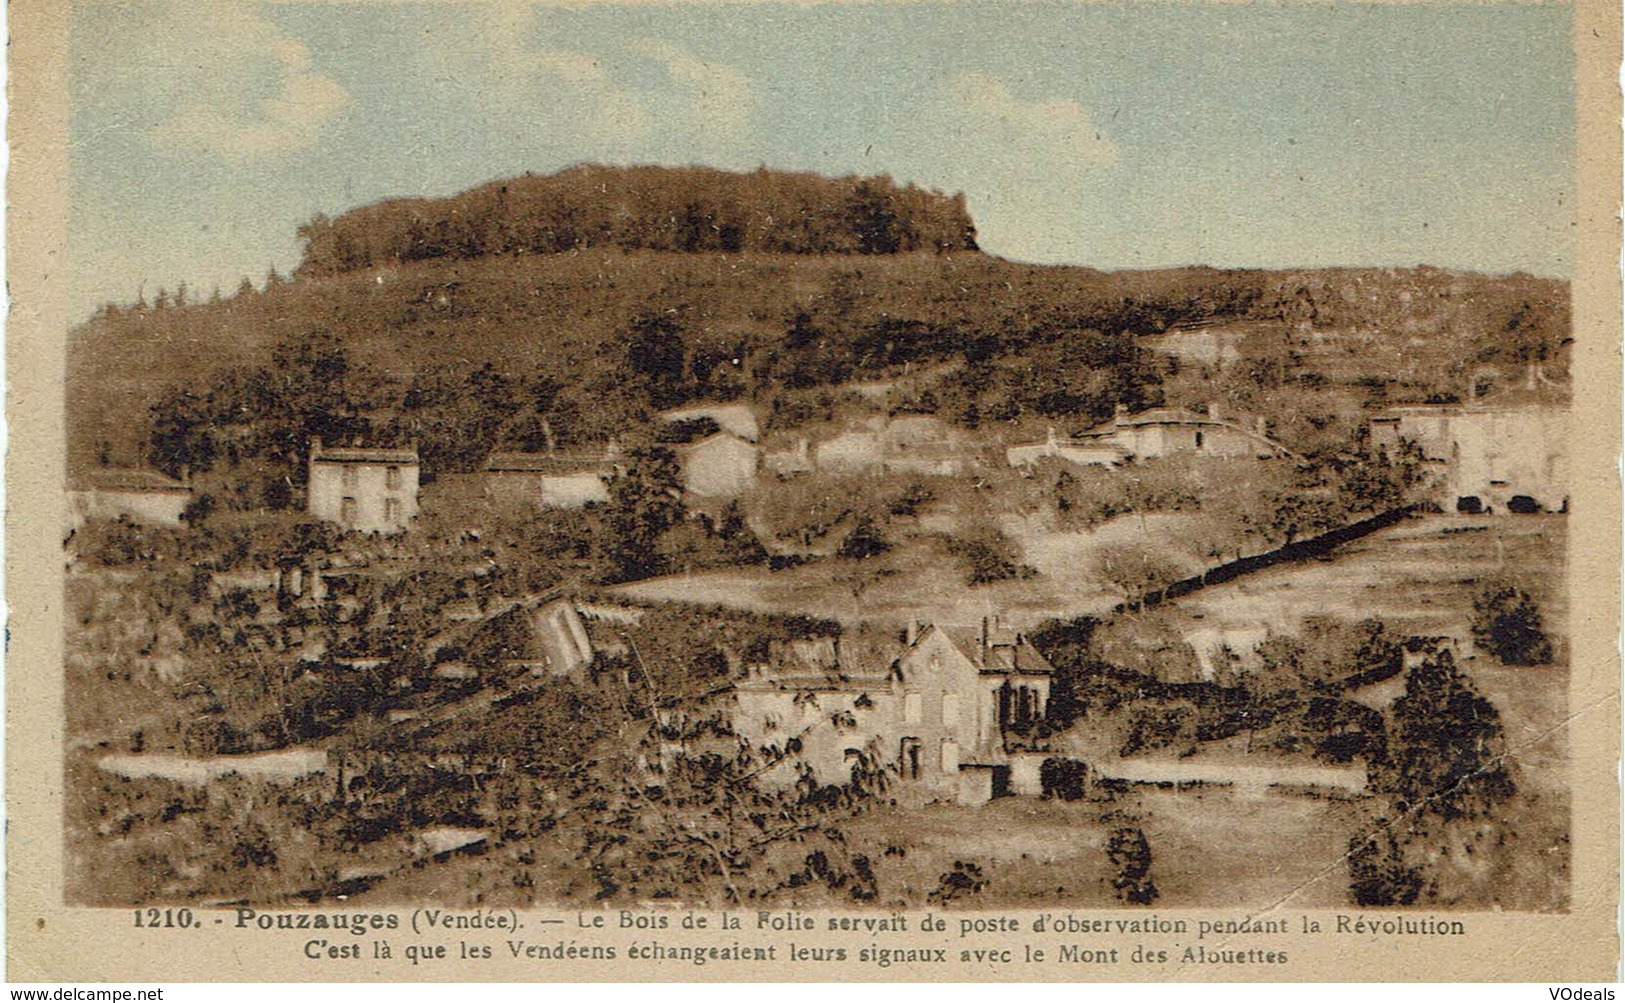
(690, 210)
(606, 334)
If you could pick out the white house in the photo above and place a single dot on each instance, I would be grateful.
(370, 490)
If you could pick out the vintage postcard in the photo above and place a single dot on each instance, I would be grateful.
(850, 491)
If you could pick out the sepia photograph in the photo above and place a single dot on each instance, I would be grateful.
(1107, 463)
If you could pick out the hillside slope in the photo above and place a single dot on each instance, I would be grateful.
(625, 330)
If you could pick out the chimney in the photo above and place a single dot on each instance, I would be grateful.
(1120, 413)
(315, 445)
(1050, 441)
(911, 633)
(547, 434)
(802, 450)
(1532, 374)
(1212, 410)
(1261, 426)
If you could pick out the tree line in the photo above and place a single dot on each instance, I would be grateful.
(644, 208)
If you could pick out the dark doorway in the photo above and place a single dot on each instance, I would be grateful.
(1522, 505)
(1001, 782)
(1469, 505)
(909, 759)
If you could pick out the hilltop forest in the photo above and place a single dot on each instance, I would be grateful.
(591, 297)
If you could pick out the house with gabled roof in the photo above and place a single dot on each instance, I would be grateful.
(549, 480)
(936, 716)
(1168, 431)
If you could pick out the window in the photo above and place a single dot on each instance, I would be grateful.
(392, 478)
(347, 509)
(392, 511)
(950, 709)
(911, 708)
(950, 756)
(349, 477)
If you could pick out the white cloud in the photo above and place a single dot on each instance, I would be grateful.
(611, 112)
(1052, 135)
(718, 96)
(574, 86)
(243, 89)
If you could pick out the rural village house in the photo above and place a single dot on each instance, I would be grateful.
(718, 466)
(1485, 457)
(370, 490)
(935, 716)
(916, 444)
(548, 480)
(724, 463)
(1151, 434)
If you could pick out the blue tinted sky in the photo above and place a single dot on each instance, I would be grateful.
(1091, 134)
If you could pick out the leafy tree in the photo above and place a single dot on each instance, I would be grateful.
(866, 540)
(645, 501)
(988, 556)
(1507, 623)
(1445, 747)
(655, 353)
(182, 433)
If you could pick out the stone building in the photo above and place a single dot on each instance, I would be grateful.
(548, 480)
(142, 496)
(935, 717)
(719, 466)
(363, 489)
(1166, 431)
(1485, 457)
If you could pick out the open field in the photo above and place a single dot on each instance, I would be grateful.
(920, 580)
(1420, 577)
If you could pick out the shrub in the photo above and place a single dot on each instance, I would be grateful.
(1379, 874)
(1130, 853)
(1067, 779)
(987, 556)
(965, 879)
(1507, 623)
(865, 540)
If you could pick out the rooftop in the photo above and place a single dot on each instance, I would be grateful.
(128, 479)
(547, 463)
(320, 453)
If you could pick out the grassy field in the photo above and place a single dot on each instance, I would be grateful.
(1420, 577)
(921, 580)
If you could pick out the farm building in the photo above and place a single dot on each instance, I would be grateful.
(143, 496)
(915, 444)
(1170, 431)
(1080, 452)
(719, 466)
(548, 480)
